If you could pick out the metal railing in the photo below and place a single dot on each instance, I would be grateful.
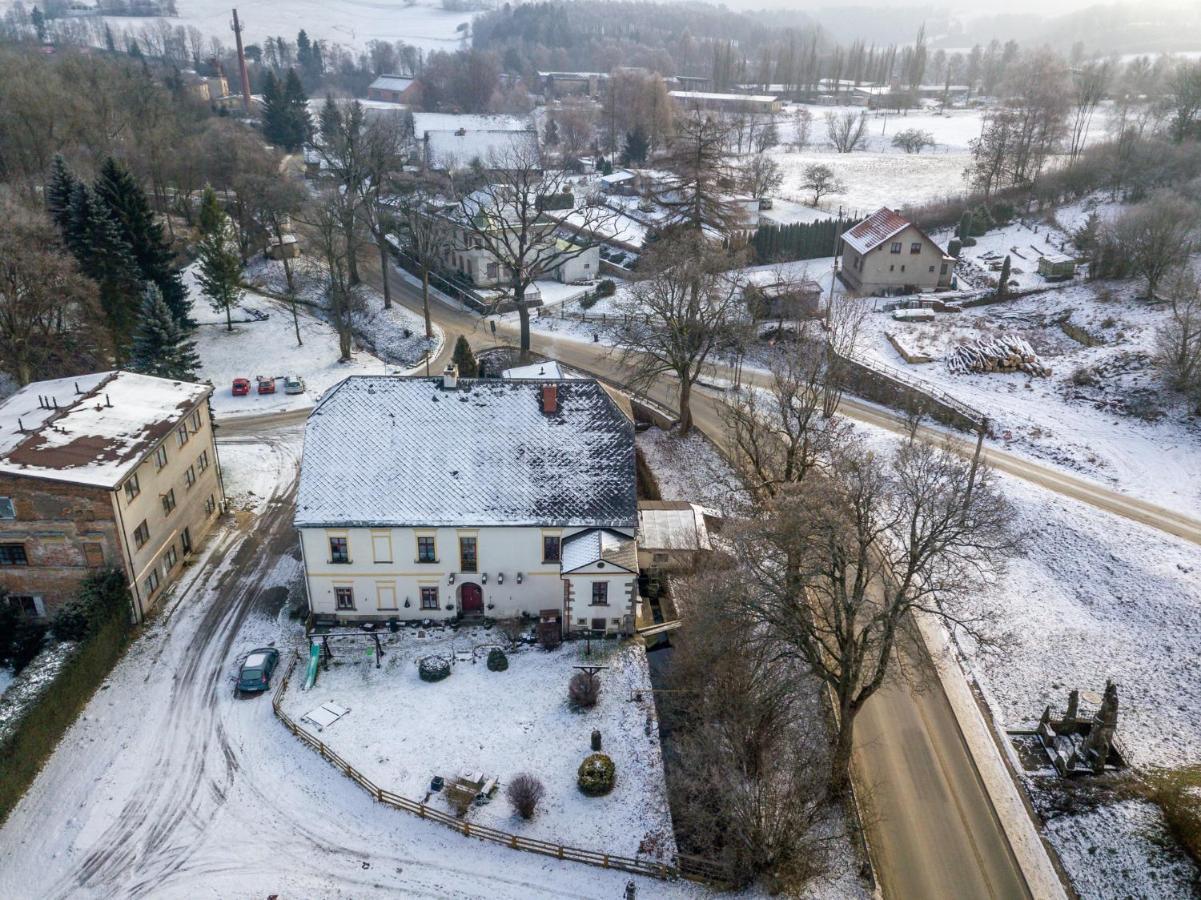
(691, 868)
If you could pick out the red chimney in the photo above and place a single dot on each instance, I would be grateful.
(550, 399)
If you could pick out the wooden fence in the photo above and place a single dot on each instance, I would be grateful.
(691, 868)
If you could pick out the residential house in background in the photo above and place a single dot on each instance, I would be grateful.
(113, 469)
(393, 89)
(888, 254)
(470, 499)
(749, 103)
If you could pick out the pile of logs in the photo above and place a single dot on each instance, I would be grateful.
(999, 354)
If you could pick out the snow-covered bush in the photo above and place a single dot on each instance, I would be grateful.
(596, 775)
(583, 690)
(433, 668)
(497, 661)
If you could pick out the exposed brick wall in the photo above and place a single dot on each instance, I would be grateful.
(66, 531)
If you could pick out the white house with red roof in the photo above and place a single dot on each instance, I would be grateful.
(888, 254)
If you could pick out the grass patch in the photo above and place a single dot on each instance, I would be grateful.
(1178, 793)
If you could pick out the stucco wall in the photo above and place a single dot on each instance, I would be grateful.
(383, 563)
(881, 269)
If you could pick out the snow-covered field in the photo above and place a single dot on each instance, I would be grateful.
(880, 174)
(1121, 852)
(689, 468)
(1074, 418)
(352, 23)
(401, 731)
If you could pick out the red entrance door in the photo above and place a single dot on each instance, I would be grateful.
(472, 599)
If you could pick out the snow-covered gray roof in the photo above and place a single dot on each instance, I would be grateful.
(598, 545)
(447, 149)
(91, 430)
(397, 451)
(391, 83)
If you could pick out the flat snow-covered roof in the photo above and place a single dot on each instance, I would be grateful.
(396, 451)
(97, 428)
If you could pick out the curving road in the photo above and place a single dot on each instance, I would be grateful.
(931, 825)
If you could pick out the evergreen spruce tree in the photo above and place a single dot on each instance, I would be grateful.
(296, 104)
(59, 188)
(129, 208)
(219, 270)
(160, 346)
(1003, 278)
(464, 359)
(95, 239)
(636, 147)
(331, 118)
(551, 135)
(273, 114)
(211, 214)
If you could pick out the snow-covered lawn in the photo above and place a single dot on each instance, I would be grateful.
(1120, 852)
(402, 731)
(880, 174)
(1096, 597)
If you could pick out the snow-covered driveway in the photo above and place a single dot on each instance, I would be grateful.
(170, 786)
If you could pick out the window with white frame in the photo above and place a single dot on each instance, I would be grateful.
(429, 598)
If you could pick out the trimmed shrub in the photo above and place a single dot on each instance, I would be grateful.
(596, 775)
(497, 661)
(606, 288)
(433, 668)
(583, 690)
(589, 300)
(524, 792)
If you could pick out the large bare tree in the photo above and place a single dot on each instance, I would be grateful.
(516, 216)
(839, 563)
(679, 317)
(1155, 237)
(1178, 341)
(423, 231)
(847, 131)
(50, 316)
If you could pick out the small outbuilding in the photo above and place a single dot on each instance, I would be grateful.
(672, 535)
(1056, 267)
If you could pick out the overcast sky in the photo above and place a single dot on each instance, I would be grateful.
(962, 7)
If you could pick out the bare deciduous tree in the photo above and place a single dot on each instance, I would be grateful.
(326, 218)
(509, 216)
(1155, 236)
(676, 319)
(761, 175)
(802, 128)
(424, 233)
(841, 561)
(274, 200)
(1178, 342)
(1089, 83)
(913, 140)
(847, 131)
(748, 779)
(524, 792)
(821, 180)
(50, 316)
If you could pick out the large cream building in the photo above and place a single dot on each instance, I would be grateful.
(444, 498)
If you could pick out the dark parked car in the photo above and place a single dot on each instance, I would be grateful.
(255, 674)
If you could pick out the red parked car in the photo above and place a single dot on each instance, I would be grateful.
(266, 385)
(241, 387)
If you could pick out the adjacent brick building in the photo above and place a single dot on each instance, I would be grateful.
(112, 469)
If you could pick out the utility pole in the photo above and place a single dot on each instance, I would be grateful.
(237, 26)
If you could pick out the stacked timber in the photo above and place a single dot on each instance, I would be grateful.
(999, 354)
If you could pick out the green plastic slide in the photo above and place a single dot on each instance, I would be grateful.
(314, 659)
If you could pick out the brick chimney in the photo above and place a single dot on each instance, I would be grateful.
(550, 399)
